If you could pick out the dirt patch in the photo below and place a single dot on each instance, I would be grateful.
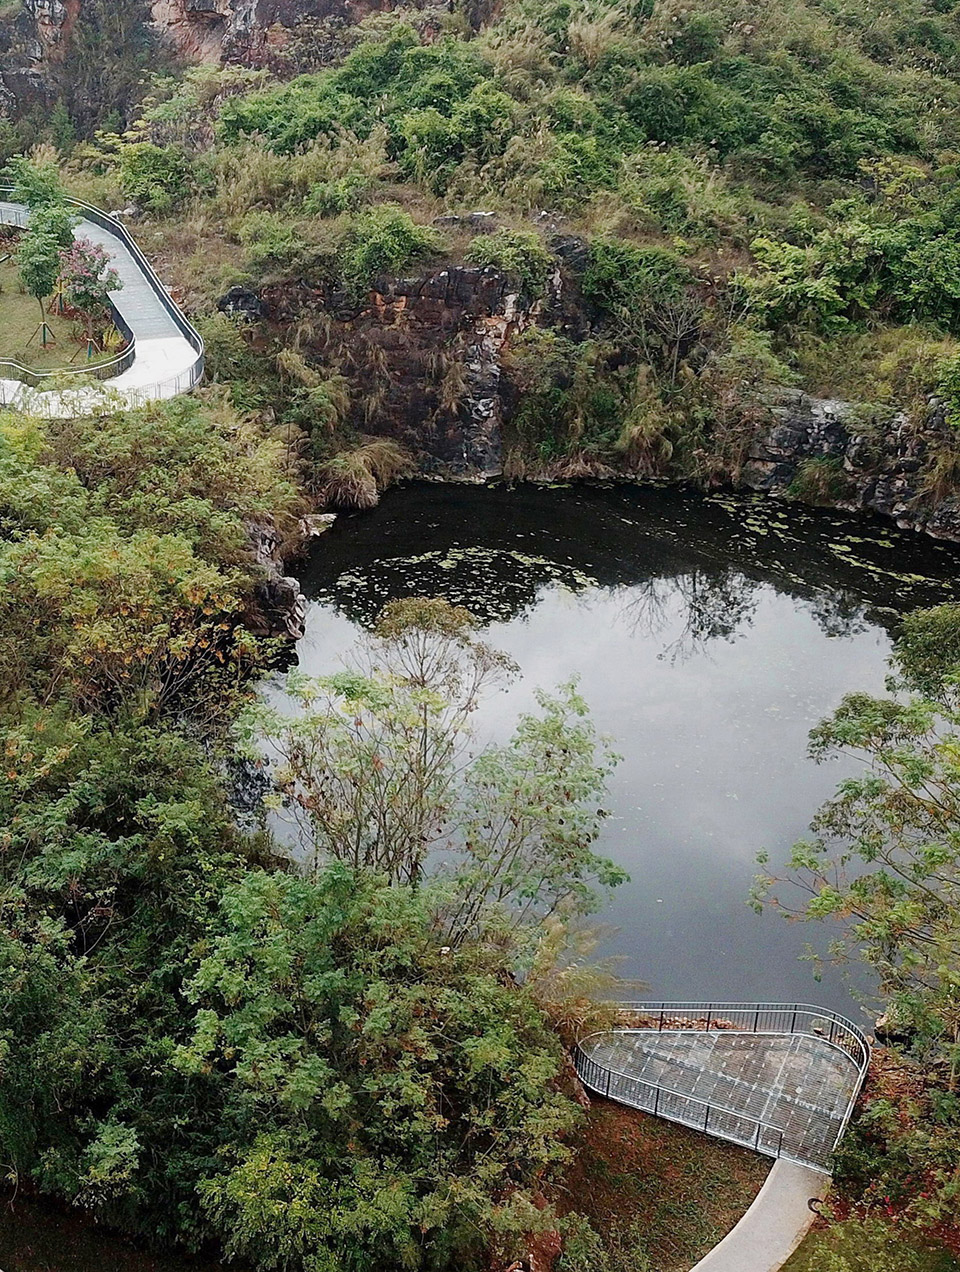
(43, 1236)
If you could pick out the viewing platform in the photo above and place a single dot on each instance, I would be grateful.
(779, 1078)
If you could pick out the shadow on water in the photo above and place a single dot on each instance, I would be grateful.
(494, 549)
(709, 635)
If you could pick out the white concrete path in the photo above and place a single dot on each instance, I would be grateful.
(775, 1224)
(169, 352)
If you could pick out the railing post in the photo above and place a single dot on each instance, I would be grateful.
(756, 1019)
(793, 1021)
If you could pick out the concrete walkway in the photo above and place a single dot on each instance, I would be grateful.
(169, 352)
(775, 1224)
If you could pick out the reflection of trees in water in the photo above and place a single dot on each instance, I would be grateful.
(712, 605)
(838, 614)
(495, 585)
(718, 604)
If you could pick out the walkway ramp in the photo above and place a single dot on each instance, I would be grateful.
(165, 354)
(778, 1078)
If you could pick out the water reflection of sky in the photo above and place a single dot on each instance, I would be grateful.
(708, 676)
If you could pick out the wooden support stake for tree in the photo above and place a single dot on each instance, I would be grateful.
(45, 334)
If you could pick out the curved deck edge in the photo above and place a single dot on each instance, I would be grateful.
(773, 1226)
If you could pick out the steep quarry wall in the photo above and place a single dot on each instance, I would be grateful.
(423, 355)
(282, 35)
(879, 463)
(33, 42)
(425, 360)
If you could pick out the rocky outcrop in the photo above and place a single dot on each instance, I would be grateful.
(423, 355)
(285, 36)
(883, 464)
(33, 42)
(282, 606)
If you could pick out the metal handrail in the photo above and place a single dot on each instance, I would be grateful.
(710, 1012)
(10, 370)
(804, 1019)
(182, 382)
(659, 1089)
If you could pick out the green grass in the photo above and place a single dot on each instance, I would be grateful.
(19, 320)
(682, 1191)
(872, 1245)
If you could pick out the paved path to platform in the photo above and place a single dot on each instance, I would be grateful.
(773, 1227)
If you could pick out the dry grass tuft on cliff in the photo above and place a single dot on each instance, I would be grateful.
(355, 479)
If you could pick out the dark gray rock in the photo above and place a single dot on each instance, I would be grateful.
(283, 607)
(242, 302)
(880, 459)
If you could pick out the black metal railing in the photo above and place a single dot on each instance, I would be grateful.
(822, 1130)
(136, 395)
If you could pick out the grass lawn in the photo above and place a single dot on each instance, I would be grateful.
(867, 1246)
(19, 320)
(681, 1190)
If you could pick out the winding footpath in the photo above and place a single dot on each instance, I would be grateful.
(773, 1227)
(167, 352)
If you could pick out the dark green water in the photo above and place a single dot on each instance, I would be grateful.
(709, 637)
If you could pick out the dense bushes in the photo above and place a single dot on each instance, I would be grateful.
(383, 240)
(127, 558)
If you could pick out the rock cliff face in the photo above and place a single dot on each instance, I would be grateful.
(423, 355)
(33, 41)
(424, 358)
(882, 465)
(284, 35)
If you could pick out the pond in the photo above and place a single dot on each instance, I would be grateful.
(709, 636)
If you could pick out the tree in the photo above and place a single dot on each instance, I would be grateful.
(88, 278)
(199, 1046)
(378, 770)
(885, 859)
(49, 231)
(392, 1101)
(885, 865)
(36, 182)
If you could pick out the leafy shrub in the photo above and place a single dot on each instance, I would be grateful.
(383, 240)
(155, 177)
(622, 275)
(35, 183)
(520, 254)
(271, 240)
(330, 198)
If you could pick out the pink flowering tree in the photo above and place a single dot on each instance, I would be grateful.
(87, 278)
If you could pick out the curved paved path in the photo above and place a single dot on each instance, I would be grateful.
(774, 1225)
(166, 361)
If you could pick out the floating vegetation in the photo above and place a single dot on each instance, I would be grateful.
(493, 583)
(494, 551)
